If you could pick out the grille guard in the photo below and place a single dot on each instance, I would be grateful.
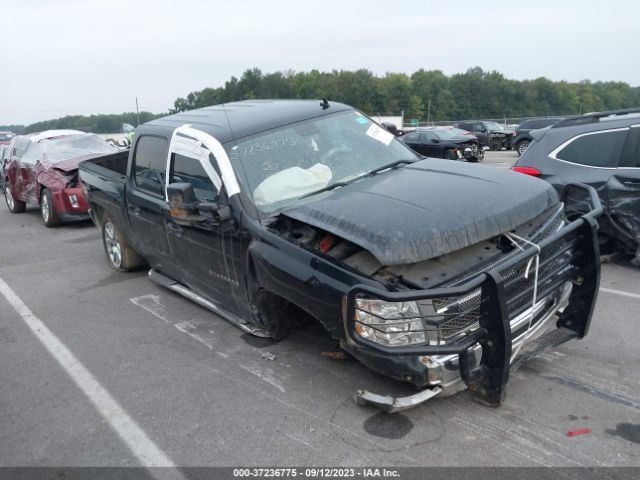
(488, 381)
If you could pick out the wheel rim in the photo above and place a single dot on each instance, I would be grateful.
(9, 198)
(112, 245)
(522, 147)
(44, 208)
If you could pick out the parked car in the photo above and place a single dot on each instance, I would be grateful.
(19, 144)
(490, 134)
(523, 136)
(268, 212)
(5, 137)
(601, 150)
(47, 174)
(444, 142)
(4, 152)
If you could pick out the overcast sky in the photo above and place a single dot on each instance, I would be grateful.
(65, 57)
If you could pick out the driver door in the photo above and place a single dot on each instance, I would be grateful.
(200, 248)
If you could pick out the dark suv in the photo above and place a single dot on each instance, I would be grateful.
(523, 133)
(490, 134)
(601, 150)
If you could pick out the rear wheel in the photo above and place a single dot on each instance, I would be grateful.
(15, 206)
(120, 255)
(522, 146)
(49, 215)
(495, 145)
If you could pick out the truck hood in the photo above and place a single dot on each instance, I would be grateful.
(427, 209)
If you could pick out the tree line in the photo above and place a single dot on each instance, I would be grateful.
(100, 123)
(427, 95)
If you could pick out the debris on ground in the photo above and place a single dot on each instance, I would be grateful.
(581, 431)
(268, 356)
(336, 355)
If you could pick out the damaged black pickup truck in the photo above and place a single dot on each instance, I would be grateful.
(436, 273)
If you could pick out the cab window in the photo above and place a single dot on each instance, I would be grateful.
(189, 170)
(149, 163)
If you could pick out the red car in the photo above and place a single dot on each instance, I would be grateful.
(5, 138)
(47, 175)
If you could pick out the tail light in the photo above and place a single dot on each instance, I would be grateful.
(534, 172)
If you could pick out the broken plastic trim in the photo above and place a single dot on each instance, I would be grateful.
(395, 404)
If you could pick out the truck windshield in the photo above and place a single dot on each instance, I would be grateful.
(279, 167)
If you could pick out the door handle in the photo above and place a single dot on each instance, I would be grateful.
(175, 229)
(133, 209)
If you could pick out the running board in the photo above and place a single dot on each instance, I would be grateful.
(186, 292)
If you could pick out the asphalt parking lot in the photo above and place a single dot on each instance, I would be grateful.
(204, 393)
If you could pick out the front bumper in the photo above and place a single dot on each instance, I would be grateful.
(569, 276)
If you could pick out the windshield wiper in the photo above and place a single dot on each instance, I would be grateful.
(347, 182)
(385, 167)
(328, 187)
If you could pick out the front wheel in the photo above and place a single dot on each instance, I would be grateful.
(120, 255)
(49, 215)
(495, 145)
(15, 206)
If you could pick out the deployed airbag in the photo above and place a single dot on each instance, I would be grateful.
(291, 183)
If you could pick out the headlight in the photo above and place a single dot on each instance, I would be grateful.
(389, 323)
(430, 322)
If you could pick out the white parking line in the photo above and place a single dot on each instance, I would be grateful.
(620, 292)
(143, 448)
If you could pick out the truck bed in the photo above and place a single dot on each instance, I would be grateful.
(104, 180)
(113, 166)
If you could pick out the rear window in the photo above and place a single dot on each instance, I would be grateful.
(601, 149)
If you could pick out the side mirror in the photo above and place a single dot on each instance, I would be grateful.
(220, 214)
(185, 208)
(435, 140)
(182, 201)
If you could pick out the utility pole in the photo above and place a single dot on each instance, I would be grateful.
(137, 111)
(428, 111)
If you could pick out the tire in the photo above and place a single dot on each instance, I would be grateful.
(120, 255)
(522, 146)
(495, 145)
(47, 210)
(15, 206)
